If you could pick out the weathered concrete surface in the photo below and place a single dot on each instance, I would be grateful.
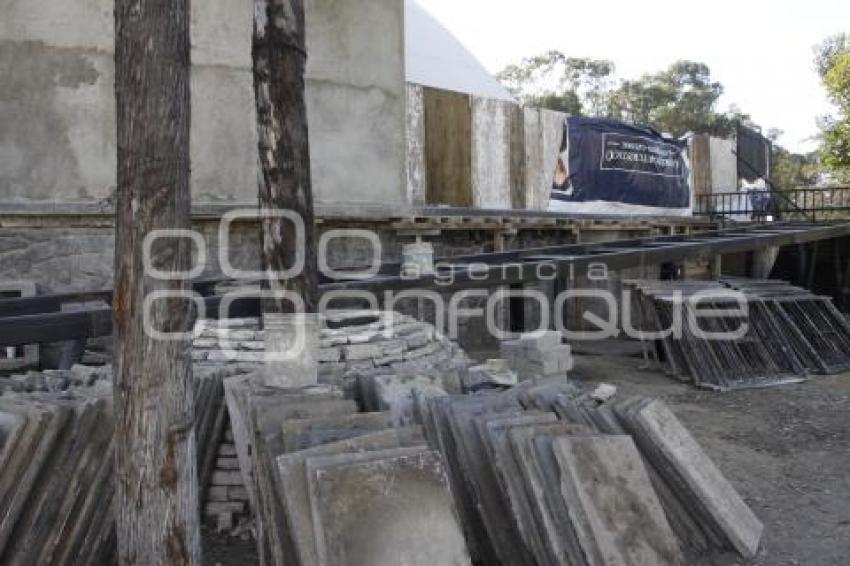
(57, 114)
(296, 495)
(385, 508)
(701, 476)
(612, 504)
(417, 169)
(356, 102)
(544, 132)
(491, 153)
(724, 165)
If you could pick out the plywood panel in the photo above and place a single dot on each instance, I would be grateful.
(448, 148)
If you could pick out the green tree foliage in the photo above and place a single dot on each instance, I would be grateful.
(577, 86)
(678, 100)
(833, 64)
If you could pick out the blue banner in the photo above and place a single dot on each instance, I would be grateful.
(603, 161)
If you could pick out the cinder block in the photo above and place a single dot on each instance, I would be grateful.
(218, 493)
(221, 477)
(227, 463)
(226, 449)
(362, 352)
(237, 494)
(224, 507)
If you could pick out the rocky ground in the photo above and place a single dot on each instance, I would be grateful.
(787, 450)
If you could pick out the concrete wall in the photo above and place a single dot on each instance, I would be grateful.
(724, 165)
(484, 153)
(57, 109)
(491, 153)
(417, 168)
(544, 133)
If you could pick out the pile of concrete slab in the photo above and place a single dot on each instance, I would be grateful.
(354, 344)
(56, 483)
(538, 355)
(332, 486)
(545, 475)
(56, 455)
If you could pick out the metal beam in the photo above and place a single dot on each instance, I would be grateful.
(491, 272)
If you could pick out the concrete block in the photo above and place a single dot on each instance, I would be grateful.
(227, 463)
(237, 494)
(226, 507)
(328, 355)
(218, 493)
(362, 352)
(226, 449)
(227, 478)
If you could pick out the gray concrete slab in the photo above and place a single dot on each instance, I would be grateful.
(293, 480)
(388, 508)
(307, 433)
(612, 505)
(509, 476)
(701, 476)
(551, 517)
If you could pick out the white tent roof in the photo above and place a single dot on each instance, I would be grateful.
(435, 58)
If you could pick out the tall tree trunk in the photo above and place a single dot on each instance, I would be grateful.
(156, 472)
(280, 58)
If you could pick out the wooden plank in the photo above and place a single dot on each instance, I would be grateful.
(448, 148)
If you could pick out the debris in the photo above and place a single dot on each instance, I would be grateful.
(604, 393)
(492, 374)
(538, 355)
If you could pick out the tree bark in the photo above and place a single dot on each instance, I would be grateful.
(280, 58)
(156, 503)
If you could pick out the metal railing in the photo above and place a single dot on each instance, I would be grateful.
(811, 204)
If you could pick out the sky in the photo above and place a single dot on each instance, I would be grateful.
(761, 51)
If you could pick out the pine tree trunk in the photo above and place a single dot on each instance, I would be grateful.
(280, 57)
(156, 473)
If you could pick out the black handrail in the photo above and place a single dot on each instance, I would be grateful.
(815, 201)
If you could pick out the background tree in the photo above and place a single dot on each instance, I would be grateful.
(577, 86)
(680, 99)
(833, 63)
(793, 170)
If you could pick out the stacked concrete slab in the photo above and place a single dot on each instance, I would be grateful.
(355, 344)
(545, 474)
(331, 485)
(56, 463)
(692, 476)
(56, 477)
(538, 355)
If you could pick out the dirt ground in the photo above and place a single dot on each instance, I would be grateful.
(786, 449)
